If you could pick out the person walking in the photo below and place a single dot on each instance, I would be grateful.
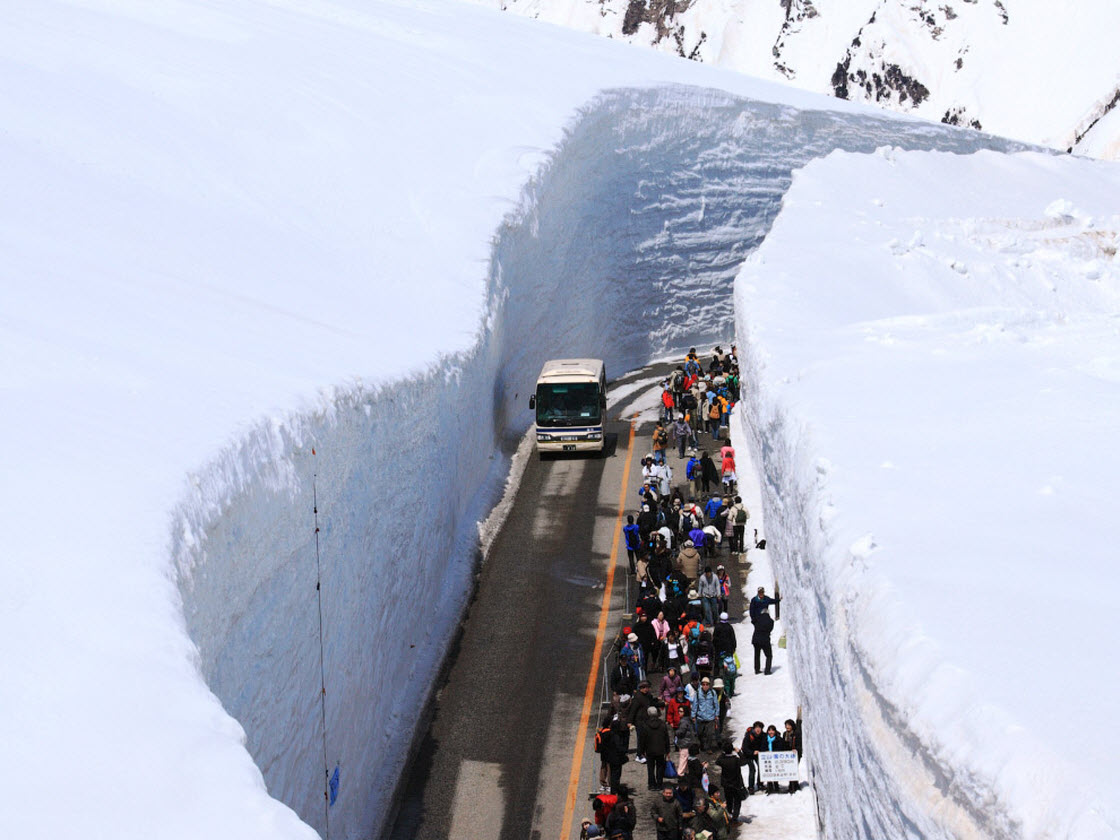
(709, 475)
(689, 559)
(682, 433)
(709, 589)
(739, 516)
(723, 640)
(657, 748)
(731, 778)
(724, 587)
(707, 715)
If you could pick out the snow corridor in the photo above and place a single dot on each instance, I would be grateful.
(304, 552)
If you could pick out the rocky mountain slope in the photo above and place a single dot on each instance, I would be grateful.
(1033, 70)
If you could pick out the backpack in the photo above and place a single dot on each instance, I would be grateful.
(741, 516)
(678, 380)
(714, 413)
(599, 736)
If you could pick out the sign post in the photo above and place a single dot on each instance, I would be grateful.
(778, 766)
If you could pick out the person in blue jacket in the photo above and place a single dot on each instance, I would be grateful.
(760, 603)
(633, 536)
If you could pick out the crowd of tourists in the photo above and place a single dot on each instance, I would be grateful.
(672, 684)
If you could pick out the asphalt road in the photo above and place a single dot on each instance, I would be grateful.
(497, 757)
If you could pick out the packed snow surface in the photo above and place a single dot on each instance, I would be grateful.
(277, 279)
(936, 382)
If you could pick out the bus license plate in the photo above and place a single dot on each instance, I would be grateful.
(569, 447)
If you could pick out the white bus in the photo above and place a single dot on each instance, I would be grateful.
(570, 402)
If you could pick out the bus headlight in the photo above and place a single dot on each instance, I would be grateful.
(543, 437)
(595, 436)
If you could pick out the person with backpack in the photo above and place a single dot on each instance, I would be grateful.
(708, 588)
(718, 817)
(615, 747)
(715, 413)
(723, 638)
(739, 516)
(660, 440)
(707, 714)
(601, 734)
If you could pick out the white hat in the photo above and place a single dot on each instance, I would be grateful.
(723, 616)
(633, 637)
(718, 683)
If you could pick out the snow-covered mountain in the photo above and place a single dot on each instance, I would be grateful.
(1037, 71)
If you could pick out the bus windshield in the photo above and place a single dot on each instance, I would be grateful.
(568, 404)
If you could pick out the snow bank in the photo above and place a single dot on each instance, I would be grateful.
(932, 402)
(258, 282)
(625, 247)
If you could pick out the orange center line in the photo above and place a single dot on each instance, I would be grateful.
(592, 677)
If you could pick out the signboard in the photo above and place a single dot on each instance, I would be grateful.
(778, 766)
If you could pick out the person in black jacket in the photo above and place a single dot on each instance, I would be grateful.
(657, 748)
(793, 742)
(639, 715)
(621, 682)
(614, 750)
(731, 777)
(646, 634)
(763, 627)
(752, 743)
(623, 816)
(709, 475)
(723, 639)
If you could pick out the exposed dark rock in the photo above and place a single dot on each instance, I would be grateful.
(840, 78)
(958, 115)
(1002, 11)
(1108, 106)
(661, 14)
(878, 86)
(635, 14)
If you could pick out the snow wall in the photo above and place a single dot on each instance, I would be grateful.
(325, 561)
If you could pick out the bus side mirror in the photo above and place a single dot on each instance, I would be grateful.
(533, 401)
